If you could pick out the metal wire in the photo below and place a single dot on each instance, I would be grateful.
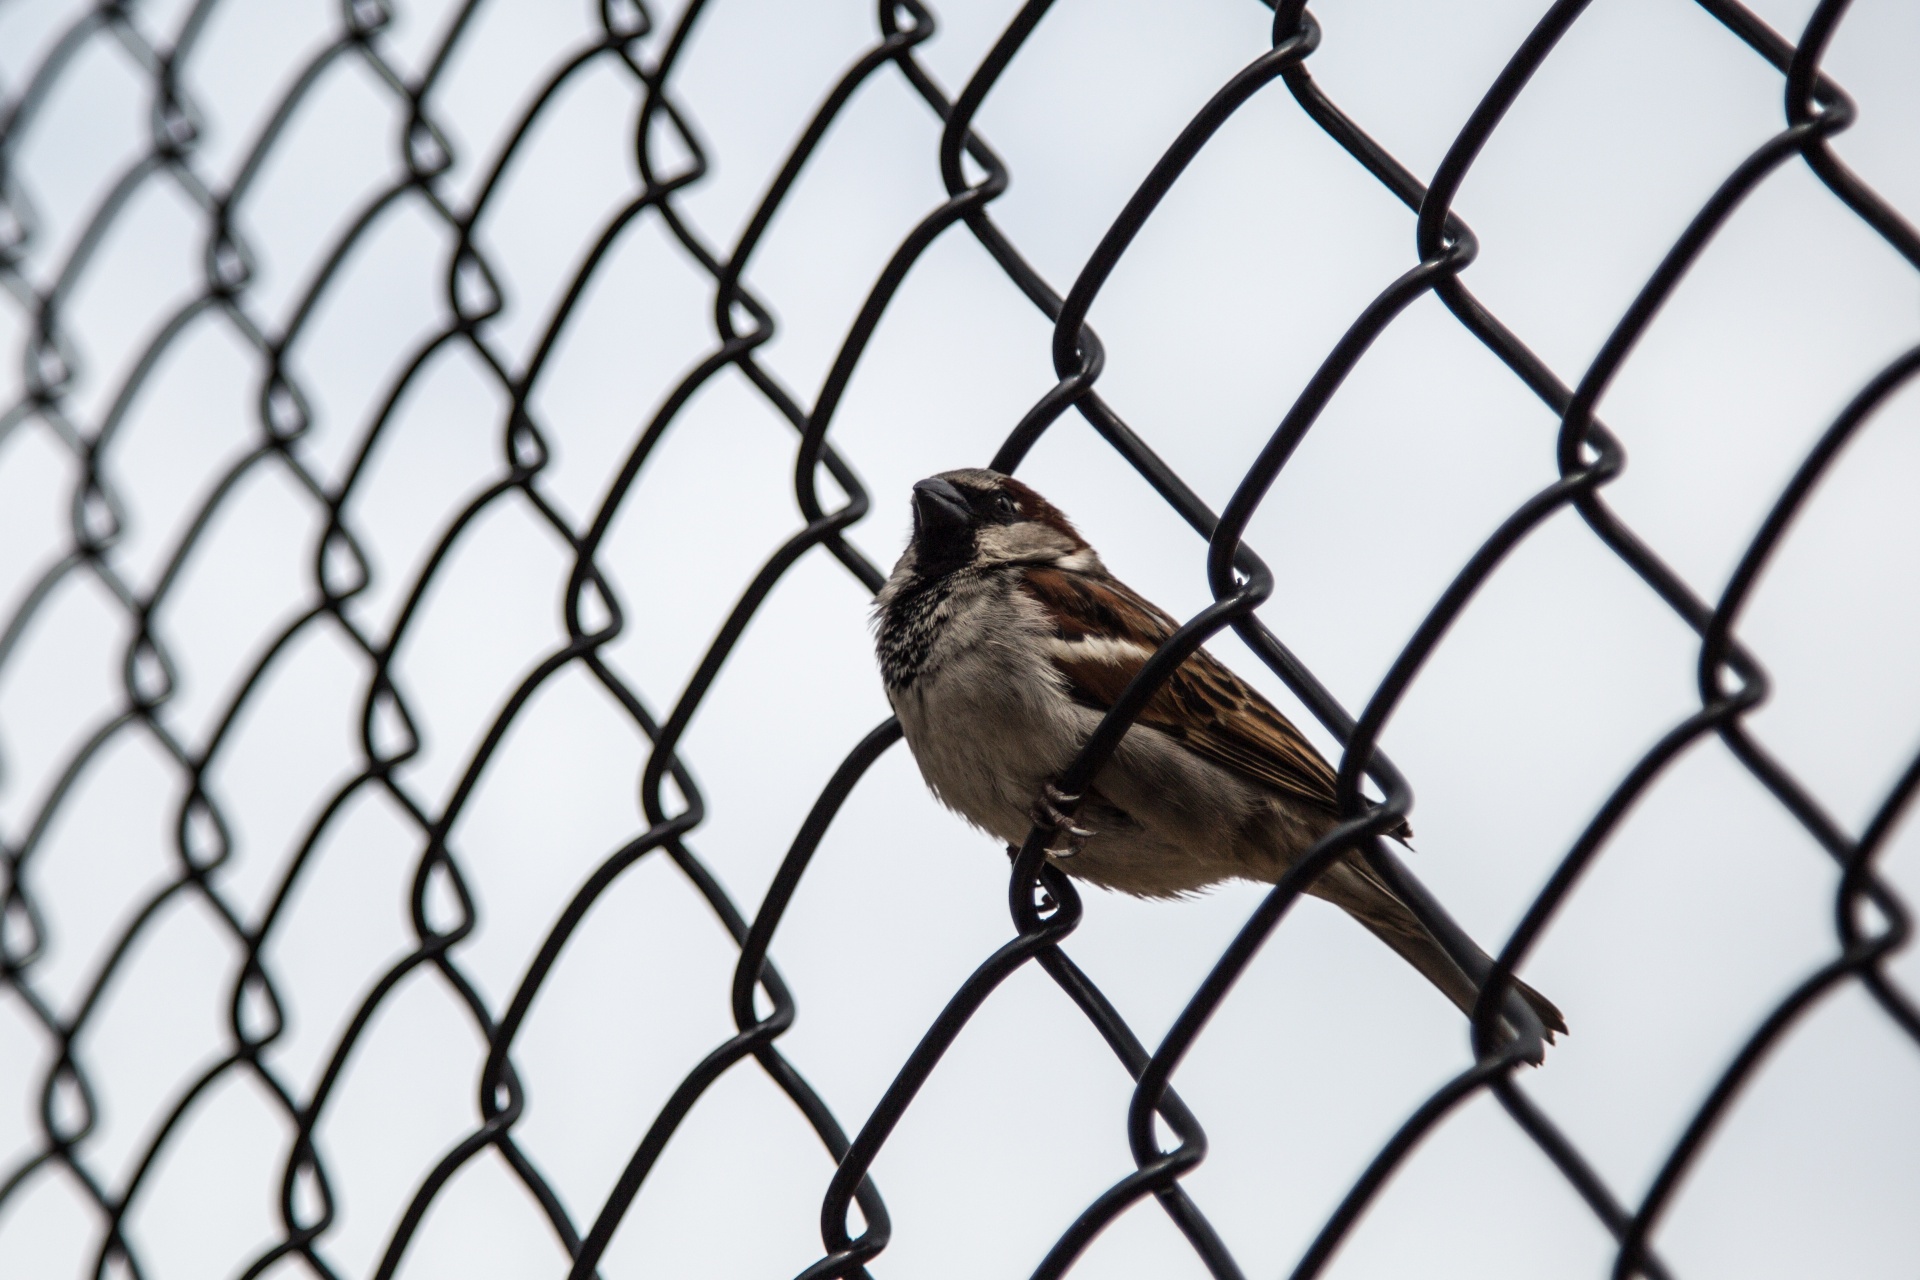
(1871, 922)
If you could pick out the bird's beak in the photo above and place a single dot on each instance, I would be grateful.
(939, 510)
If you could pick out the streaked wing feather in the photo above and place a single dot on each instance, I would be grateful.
(1207, 707)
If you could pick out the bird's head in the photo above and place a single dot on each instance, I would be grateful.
(977, 518)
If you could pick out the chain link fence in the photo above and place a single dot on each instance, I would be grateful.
(65, 438)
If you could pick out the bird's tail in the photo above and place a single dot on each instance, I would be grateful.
(1352, 886)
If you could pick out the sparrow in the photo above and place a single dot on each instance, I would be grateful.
(1002, 641)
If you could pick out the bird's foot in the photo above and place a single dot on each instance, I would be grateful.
(1048, 812)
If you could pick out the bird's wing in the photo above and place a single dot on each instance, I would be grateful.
(1104, 633)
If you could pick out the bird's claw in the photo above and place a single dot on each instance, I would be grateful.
(1047, 812)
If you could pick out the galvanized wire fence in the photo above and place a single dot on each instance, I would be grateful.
(44, 266)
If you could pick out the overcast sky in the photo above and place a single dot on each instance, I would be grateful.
(1709, 904)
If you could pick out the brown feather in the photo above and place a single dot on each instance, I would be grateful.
(1209, 709)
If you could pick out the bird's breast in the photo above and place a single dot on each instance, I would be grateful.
(988, 726)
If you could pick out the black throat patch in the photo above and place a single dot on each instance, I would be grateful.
(909, 625)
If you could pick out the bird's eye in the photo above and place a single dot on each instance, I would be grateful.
(1003, 503)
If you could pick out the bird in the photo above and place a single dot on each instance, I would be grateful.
(1002, 641)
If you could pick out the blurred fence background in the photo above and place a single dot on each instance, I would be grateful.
(446, 452)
